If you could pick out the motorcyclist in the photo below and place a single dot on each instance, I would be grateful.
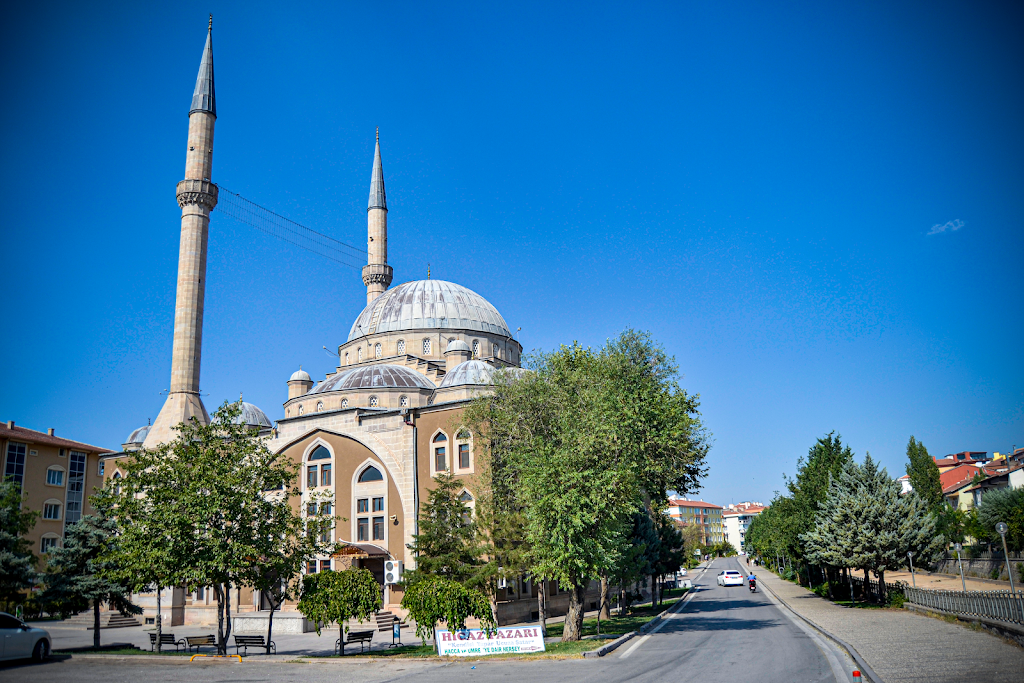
(751, 580)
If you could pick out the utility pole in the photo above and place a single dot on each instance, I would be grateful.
(910, 558)
(960, 562)
(1002, 529)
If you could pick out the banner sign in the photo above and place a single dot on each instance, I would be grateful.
(474, 641)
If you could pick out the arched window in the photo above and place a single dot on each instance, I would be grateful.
(117, 483)
(55, 476)
(320, 453)
(47, 542)
(403, 401)
(494, 347)
(440, 453)
(466, 497)
(401, 346)
(371, 473)
(51, 509)
(426, 347)
(300, 410)
(377, 351)
(476, 348)
(346, 358)
(373, 401)
(359, 354)
(462, 449)
(344, 403)
(319, 406)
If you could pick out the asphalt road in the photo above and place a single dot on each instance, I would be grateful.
(721, 634)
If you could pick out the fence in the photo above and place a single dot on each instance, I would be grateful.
(999, 605)
(871, 590)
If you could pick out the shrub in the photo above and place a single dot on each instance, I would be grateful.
(897, 598)
(996, 572)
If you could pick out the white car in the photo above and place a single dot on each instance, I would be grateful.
(730, 577)
(18, 640)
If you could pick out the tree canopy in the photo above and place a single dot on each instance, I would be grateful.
(17, 562)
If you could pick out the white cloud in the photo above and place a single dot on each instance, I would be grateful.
(948, 226)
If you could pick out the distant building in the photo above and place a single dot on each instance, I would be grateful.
(964, 458)
(707, 516)
(56, 477)
(736, 520)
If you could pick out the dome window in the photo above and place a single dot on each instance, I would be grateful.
(476, 348)
(319, 406)
(344, 403)
(494, 348)
(359, 355)
(300, 410)
(371, 473)
(401, 346)
(377, 351)
(373, 401)
(426, 347)
(346, 358)
(403, 401)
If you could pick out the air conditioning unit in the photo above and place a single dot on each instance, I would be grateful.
(392, 572)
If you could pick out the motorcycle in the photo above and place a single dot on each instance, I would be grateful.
(753, 585)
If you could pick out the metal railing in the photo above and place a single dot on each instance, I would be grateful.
(998, 605)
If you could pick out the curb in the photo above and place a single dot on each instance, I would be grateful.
(867, 672)
(605, 649)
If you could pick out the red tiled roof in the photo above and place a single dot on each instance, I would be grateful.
(693, 503)
(952, 479)
(32, 436)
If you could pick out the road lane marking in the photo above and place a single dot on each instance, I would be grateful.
(671, 615)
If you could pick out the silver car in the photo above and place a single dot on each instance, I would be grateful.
(18, 640)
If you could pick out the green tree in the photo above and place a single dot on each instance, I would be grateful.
(1002, 505)
(223, 508)
(924, 475)
(334, 597)
(81, 574)
(670, 548)
(825, 461)
(436, 599)
(581, 441)
(17, 563)
(446, 543)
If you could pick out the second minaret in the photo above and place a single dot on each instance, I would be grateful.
(377, 273)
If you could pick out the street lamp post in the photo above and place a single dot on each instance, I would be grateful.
(910, 557)
(1002, 529)
(960, 562)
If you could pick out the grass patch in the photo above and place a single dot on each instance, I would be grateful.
(116, 650)
(860, 604)
(618, 625)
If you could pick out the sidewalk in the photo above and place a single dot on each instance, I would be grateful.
(903, 646)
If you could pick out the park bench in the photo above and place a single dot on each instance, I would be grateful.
(245, 642)
(165, 639)
(199, 641)
(386, 624)
(364, 638)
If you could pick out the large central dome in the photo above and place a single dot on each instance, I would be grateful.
(427, 305)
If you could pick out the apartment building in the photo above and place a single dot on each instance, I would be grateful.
(707, 516)
(736, 520)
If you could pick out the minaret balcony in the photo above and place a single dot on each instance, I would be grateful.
(377, 273)
(201, 192)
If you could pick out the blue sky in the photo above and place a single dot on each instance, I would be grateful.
(816, 207)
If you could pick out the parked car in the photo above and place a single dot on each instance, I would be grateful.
(730, 577)
(18, 640)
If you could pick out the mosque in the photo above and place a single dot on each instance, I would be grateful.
(373, 433)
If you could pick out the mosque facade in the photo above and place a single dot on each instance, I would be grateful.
(370, 436)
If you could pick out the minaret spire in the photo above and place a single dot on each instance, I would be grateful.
(197, 195)
(377, 273)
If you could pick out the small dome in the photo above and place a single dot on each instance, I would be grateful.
(458, 345)
(428, 305)
(385, 376)
(139, 435)
(253, 416)
(300, 375)
(470, 372)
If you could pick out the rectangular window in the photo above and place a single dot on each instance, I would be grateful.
(325, 565)
(15, 469)
(325, 475)
(310, 509)
(363, 505)
(311, 477)
(378, 528)
(102, 466)
(201, 593)
(439, 459)
(311, 567)
(51, 511)
(46, 544)
(378, 504)
(55, 477)
(76, 489)
(464, 456)
(363, 529)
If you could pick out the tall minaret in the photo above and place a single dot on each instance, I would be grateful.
(377, 273)
(197, 196)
